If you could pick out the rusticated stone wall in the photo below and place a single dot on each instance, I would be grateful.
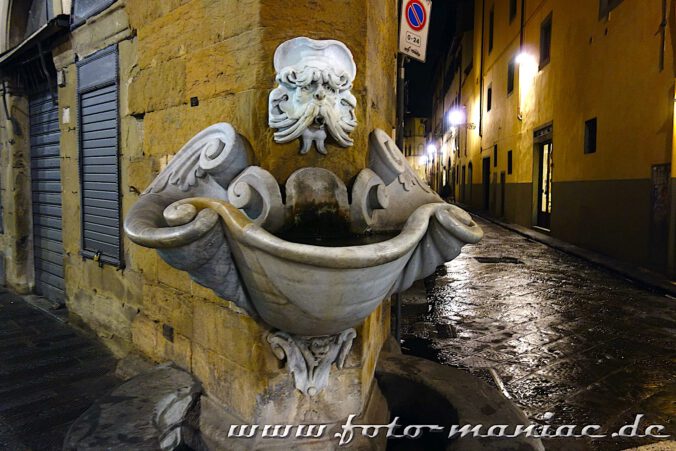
(219, 54)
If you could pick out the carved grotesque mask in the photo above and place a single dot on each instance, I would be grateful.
(313, 96)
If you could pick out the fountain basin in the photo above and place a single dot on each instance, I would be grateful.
(214, 214)
(313, 290)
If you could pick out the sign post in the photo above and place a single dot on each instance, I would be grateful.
(415, 24)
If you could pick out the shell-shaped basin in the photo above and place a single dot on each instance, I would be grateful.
(311, 290)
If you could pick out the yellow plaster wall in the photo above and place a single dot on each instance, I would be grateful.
(594, 64)
(606, 68)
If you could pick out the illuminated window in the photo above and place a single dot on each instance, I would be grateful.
(545, 41)
(590, 136)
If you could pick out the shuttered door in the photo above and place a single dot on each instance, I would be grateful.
(46, 191)
(98, 121)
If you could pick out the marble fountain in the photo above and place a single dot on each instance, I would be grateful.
(215, 214)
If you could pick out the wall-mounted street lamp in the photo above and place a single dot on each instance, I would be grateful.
(528, 69)
(457, 117)
(525, 58)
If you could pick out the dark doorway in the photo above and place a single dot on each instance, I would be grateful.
(544, 201)
(503, 181)
(470, 178)
(486, 181)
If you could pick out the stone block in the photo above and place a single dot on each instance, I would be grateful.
(237, 336)
(139, 175)
(131, 143)
(207, 22)
(178, 350)
(128, 69)
(143, 13)
(227, 382)
(143, 260)
(158, 87)
(166, 131)
(146, 335)
(107, 28)
(173, 278)
(217, 69)
(109, 317)
(168, 306)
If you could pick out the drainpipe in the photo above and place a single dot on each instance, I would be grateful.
(481, 70)
(521, 25)
(663, 32)
(519, 115)
(401, 80)
(401, 106)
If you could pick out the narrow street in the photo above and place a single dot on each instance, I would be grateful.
(569, 342)
(49, 375)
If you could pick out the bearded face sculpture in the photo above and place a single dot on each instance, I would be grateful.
(313, 96)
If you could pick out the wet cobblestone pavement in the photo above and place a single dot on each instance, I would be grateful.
(570, 343)
(49, 375)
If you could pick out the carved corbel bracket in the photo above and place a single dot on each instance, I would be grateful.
(309, 359)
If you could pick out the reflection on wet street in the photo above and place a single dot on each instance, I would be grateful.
(570, 343)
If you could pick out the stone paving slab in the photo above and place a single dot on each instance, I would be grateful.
(49, 375)
(572, 343)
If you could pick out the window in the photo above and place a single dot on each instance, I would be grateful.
(99, 166)
(605, 6)
(84, 9)
(491, 22)
(509, 162)
(512, 10)
(489, 98)
(495, 155)
(590, 136)
(545, 41)
(510, 76)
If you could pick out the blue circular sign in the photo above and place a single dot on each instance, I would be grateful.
(416, 16)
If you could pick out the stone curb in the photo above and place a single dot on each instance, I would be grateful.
(645, 277)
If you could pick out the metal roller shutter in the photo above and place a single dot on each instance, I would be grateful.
(46, 192)
(98, 124)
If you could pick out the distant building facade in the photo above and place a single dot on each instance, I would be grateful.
(560, 115)
(415, 136)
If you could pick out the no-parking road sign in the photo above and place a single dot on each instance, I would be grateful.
(415, 23)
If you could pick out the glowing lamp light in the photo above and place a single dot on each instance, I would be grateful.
(422, 161)
(431, 150)
(457, 116)
(525, 59)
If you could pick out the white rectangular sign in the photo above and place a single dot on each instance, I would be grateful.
(415, 23)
